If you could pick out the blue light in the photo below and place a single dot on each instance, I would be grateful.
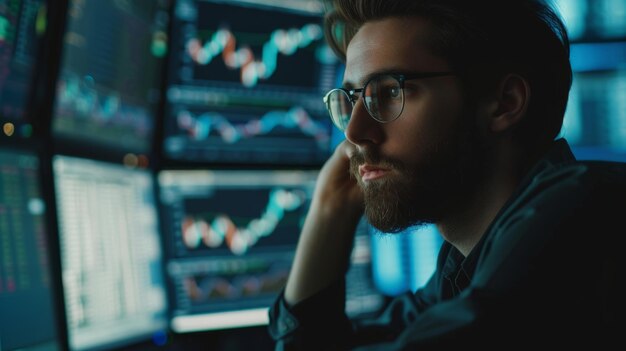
(405, 261)
(424, 245)
(159, 338)
(387, 262)
(598, 56)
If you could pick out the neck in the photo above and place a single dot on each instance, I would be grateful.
(466, 226)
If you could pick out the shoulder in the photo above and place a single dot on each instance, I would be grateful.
(560, 230)
(591, 189)
(563, 211)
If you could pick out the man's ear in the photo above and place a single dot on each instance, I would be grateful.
(509, 104)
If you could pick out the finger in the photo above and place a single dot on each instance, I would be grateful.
(346, 148)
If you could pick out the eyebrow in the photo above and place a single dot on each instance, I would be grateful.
(349, 85)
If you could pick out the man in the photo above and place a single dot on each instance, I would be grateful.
(451, 109)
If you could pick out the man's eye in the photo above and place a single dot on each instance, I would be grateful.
(394, 92)
(390, 92)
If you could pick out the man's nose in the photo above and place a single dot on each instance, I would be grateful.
(362, 128)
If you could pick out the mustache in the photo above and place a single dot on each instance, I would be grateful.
(358, 158)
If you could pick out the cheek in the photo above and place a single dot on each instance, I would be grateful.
(430, 125)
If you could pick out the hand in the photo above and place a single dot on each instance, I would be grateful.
(337, 189)
(325, 243)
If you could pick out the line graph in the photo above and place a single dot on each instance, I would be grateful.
(199, 127)
(244, 85)
(82, 98)
(221, 229)
(224, 42)
(200, 289)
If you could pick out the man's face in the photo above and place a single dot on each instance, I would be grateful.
(420, 167)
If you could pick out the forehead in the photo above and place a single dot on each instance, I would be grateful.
(391, 44)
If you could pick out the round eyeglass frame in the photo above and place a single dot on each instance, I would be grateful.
(341, 121)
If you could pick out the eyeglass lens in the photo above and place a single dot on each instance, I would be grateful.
(382, 96)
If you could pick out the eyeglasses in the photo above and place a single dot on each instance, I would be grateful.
(383, 96)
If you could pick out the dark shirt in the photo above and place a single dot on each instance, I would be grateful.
(543, 274)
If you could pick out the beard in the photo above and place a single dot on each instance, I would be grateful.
(428, 191)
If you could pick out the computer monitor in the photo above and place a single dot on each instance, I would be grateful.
(230, 241)
(230, 238)
(245, 83)
(111, 258)
(22, 25)
(29, 316)
(109, 81)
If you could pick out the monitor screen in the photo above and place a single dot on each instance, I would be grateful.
(245, 83)
(110, 75)
(28, 318)
(22, 24)
(231, 238)
(404, 261)
(363, 296)
(595, 119)
(593, 20)
(111, 256)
